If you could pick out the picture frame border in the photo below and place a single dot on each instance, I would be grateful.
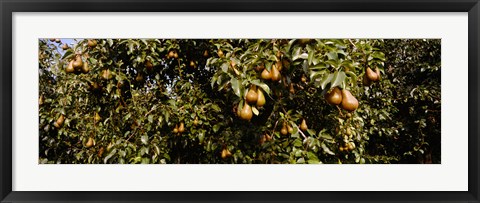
(8, 7)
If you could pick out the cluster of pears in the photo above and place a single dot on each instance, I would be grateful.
(55, 40)
(172, 54)
(371, 76)
(179, 128)
(349, 146)
(107, 74)
(226, 153)
(265, 138)
(254, 96)
(273, 74)
(343, 97)
(77, 66)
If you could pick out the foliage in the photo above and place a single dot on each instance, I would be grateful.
(179, 101)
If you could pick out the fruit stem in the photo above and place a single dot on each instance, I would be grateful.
(340, 111)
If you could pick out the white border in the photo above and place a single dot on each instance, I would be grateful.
(451, 175)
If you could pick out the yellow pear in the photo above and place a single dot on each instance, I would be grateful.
(377, 71)
(284, 130)
(246, 113)
(349, 102)
(59, 121)
(275, 74)
(303, 125)
(106, 74)
(97, 117)
(78, 63)
(266, 75)
(89, 143)
(334, 97)
(289, 129)
(260, 98)
(181, 128)
(70, 68)
(92, 43)
(252, 95)
(371, 75)
(220, 53)
(85, 68)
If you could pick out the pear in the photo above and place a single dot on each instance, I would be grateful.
(220, 53)
(266, 75)
(106, 74)
(349, 102)
(292, 90)
(377, 71)
(246, 113)
(139, 77)
(100, 152)
(284, 130)
(89, 143)
(78, 63)
(260, 98)
(371, 75)
(175, 55)
(275, 74)
(171, 54)
(70, 68)
(226, 153)
(366, 81)
(58, 40)
(149, 66)
(195, 122)
(92, 43)
(85, 68)
(303, 125)
(279, 65)
(192, 64)
(175, 130)
(65, 47)
(289, 129)
(252, 95)
(205, 53)
(304, 79)
(334, 97)
(181, 128)
(59, 121)
(97, 117)
(40, 100)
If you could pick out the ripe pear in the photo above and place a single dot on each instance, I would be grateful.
(349, 102)
(246, 113)
(85, 68)
(97, 117)
(65, 47)
(192, 64)
(139, 77)
(205, 53)
(175, 55)
(181, 128)
(100, 152)
(275, 74)
(292, 90)
(106, 74)
(70, 68)
(78, 63)
(149, 66)
(303, 125)
(334, 97)
(92, 43)
(40, 100)
(195, 122)
(171, 54)
(220, 53)
(89, 143)
(304, 79)
(266, 75)
(57, 40)
(252, 95)
(377, 71)
(290, 129)
(366, 81)
(226, 153)
(371, 75)
(59, 121)
(284, 130)
(260, 98)
(175, 130)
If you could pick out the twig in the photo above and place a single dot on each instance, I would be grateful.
(352, 43)
(304, 136)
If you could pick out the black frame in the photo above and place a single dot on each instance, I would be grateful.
(7, 7)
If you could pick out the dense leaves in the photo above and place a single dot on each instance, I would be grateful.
(239, 101)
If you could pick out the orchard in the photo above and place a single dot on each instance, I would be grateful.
(239, 101)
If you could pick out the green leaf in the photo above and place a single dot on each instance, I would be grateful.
(262, 85)
(144, 139)
(112, 153)
(338, 78)
(216, 127)
(150, 118)
(326, 80)
(236, 87)
(326, 149)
